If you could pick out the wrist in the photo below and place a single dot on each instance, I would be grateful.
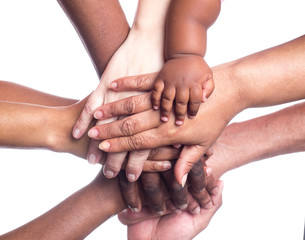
(146, 21)
(59, 134)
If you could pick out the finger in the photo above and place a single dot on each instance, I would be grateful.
(188, 157)
(127, 106)
(113, 164)
(156, 94)
(164, 153)
(134, 166)
(197, 178)
(86, 115)
(127, 217)
(134, 83)
(193, 207)
(177, 193)
(194, 101)
(181, 102)
(205, 196)
(208, 88)
(126, 127)
(167, 100)
(156, 166)
(152, 189)
(130, 193)
(140, 141)
(94, 153)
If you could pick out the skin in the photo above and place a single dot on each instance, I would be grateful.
(234, 92)
(140, 53)
(185, 73)
(83, 209)
(104, 30)
(284, 142)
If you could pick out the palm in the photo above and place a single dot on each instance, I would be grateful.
(172, 226)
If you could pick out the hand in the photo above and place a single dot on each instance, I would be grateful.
(153, 185)
(186, 225)
(181, 81)
(59, 138)
(137, 55)
(197, 134)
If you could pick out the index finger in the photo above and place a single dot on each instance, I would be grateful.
(142, 82)
(127, 106)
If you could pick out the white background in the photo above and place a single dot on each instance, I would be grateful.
(39, 48)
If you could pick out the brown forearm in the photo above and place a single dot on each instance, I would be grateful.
(77, 216)
(13, 92)
(101, 25)
(187, 25)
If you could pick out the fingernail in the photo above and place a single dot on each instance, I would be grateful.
(184, 180)
(204, 97)
(178, 211)
(177, 145)
(179, 123)
(93, 133)
(164, 119)
(155, 107)
(192, 117)
(114, 85)
(131, 177)
(167, 165)
(105, 146)
(76, 133)
(135, 210)
(98, 114)
(108, 173)
(209, 205)
(215, 191)
(208, 171)
(196, 210)
(182, 207)
(92, 159)
(160, 212)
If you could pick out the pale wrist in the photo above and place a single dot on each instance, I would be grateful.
(150, 17)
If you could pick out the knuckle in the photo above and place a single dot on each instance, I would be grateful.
(89, 109)
(130, 106)
(137, 141)
(151, 191)
(152, 153)
(128, 126)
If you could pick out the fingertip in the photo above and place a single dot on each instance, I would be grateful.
(104, 146)
(76, 133)
(93, 133)
(113, 85)
(179, 122)
(164, 119)
(98, 114)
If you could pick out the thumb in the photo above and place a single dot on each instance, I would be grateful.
(188, 157)
(208, 88)
(134, 83)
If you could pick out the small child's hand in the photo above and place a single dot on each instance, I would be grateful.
(185, 82)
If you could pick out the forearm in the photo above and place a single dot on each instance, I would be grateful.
(77, 216)
(187, 25)
(273, 76)
(101, 25)
(37, 126)
(13, 92)
(275, 134)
